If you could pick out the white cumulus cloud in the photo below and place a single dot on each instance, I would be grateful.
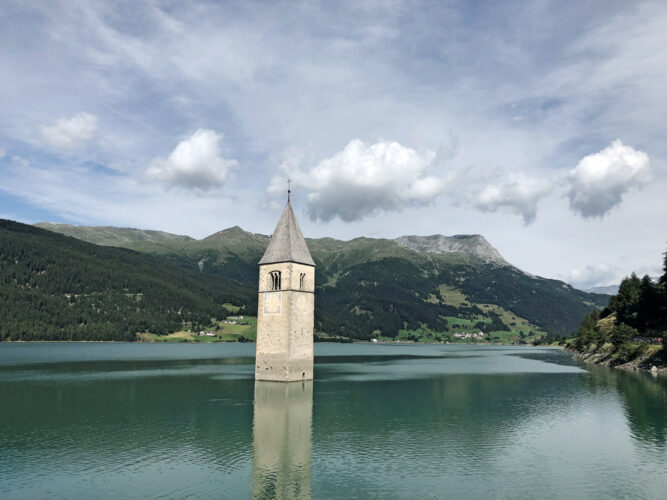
(599, 181)
(195, 162)
(518, 194)
(68, 132)
(363, 179)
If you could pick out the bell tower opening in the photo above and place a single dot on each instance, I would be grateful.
(275, 280)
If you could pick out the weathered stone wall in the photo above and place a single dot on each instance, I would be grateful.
(285, 320)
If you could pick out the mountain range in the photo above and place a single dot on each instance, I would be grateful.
(55, 287)
(418, 287)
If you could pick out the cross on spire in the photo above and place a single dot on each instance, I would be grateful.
(289, 190)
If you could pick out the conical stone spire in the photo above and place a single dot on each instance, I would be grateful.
(287, 243)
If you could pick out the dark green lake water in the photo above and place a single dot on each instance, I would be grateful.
(187, 420)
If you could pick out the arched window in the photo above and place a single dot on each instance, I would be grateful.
(302, 279)
(275, 280)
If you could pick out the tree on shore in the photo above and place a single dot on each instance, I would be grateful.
(625, 303)
(648, 306)
(622, 333)
(589, 332)
(662, 291)
(639, 308)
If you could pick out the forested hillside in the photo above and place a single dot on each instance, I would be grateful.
(392, 293)
(413, 287)
(55, 287)
(635, 318)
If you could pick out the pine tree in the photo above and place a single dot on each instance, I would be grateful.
(588, 331)
(622, 333)
(648, 308)
(662, 300)
(626, 301)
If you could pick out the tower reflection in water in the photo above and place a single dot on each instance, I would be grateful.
(282, 422)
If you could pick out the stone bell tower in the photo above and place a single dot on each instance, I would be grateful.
(286, 305)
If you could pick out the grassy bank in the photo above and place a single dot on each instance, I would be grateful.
(244, 331)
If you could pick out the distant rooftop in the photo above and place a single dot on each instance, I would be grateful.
(287, 243)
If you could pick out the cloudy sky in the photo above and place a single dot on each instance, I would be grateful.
(540, 125)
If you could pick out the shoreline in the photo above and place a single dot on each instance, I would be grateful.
(644, 363)
(485, 344)
(397, 344)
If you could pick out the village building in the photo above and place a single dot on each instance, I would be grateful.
(206, 334)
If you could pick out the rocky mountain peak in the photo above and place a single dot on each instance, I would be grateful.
(474, 245)
(232, 233)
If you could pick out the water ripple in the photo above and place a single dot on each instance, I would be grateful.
(378, 422)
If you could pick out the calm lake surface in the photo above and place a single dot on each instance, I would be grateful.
(380, 421)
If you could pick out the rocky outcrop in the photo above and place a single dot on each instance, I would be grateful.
(469, 244)
(649, 361)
